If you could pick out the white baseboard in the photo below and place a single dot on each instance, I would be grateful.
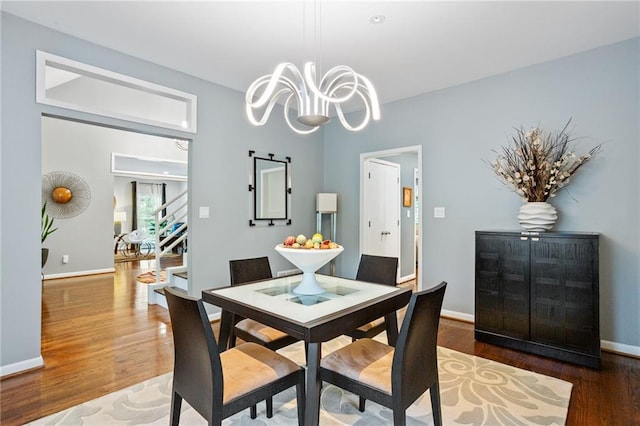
(407, 278)
(21, 366)
(619, 348)
(79, 273)
(457, 316)
(214, 316)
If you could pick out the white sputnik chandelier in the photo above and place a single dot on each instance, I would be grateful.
(312, 100)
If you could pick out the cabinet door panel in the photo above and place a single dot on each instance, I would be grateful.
(564, 298)
(502, 289)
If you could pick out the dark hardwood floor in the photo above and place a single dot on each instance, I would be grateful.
(99, 335)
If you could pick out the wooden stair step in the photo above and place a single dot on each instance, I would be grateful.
(161, 290)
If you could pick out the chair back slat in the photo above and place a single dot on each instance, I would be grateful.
(246, 270)
(378, 269)
(415, 363)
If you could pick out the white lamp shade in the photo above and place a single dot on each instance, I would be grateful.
(327, 202)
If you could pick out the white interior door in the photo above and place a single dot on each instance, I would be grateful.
(382, 208)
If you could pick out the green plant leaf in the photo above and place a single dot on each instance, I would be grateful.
(46, 224)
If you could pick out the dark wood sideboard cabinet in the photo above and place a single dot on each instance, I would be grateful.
(539, 293)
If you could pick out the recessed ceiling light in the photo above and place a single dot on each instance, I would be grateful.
(377, 19)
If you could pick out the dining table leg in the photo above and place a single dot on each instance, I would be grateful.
(226, 326)
(312, 415)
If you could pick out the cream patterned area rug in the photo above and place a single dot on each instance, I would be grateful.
(473, 391)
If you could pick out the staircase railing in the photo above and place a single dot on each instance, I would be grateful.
(166, 236)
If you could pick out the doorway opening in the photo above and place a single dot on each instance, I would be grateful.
(93, 241)
(410, 219)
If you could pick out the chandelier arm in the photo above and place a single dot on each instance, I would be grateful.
(273, 80)
(289, 87)
(291, 126)
(339, 81)
(309, 78)
(251, 91)
(249, 108)
(288, 84)
(364, 85)
(365, 120)
(334, 76)
(265, 80)
(335, 84)
(294, 88)
(361, 91)
(373, 97)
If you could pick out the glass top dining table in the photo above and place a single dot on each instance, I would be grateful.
(344, 306)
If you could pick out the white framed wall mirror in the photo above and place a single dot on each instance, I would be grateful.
(65, 83)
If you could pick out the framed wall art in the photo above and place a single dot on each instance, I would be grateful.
(406, 197)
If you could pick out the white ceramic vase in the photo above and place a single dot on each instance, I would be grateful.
(308, 261)
(537, 216)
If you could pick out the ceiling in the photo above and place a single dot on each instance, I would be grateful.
(420, 47)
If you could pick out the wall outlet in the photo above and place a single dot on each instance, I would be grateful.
(65, 258)
(438, 212)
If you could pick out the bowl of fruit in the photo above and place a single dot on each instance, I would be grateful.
(309, 255)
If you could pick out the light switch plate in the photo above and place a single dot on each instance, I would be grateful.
(438, 212)
(204, 212)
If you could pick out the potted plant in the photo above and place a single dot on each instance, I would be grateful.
(46, 227)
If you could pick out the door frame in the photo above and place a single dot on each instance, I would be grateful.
(414, 149)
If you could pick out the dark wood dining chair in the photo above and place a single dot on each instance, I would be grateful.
(247, 270)
(394, 377)
(379, 270)
(218, 385)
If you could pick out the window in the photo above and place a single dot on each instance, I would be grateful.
(149, 197)
(65, 83)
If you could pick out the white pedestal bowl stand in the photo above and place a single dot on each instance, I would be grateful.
(308, 261)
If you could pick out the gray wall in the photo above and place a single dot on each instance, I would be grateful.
(458, 129)
(219, 177)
